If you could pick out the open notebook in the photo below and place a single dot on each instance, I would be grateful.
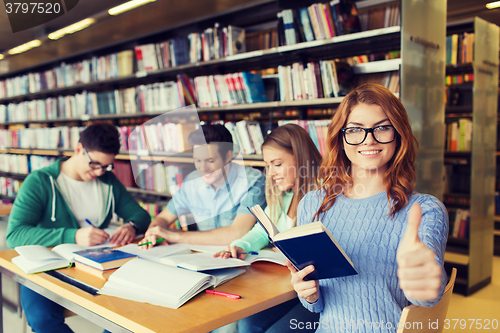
(150, 282)
(38, 258)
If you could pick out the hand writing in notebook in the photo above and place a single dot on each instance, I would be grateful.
(152, 235)
(90, 236)
(419, 273)
(123, 235)
(232, 251)
(308, 290)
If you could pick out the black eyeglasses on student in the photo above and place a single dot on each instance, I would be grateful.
(357, 135)
(96, 165)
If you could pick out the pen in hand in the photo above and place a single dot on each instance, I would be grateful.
(90, 223)
(159, 240)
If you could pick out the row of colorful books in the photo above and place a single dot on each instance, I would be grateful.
(459, 135)
(308, 81)
(9, 187)
(390, 80)
(66, 75)
(318, 21)
(459, 223)
(160, 177)
(460, 48)
(23, 164)
(63, 137)
(229, 89)
(204, 91)
(247, 135)
(364, 58)
(380, 17)
(173, 137)
(317, 130)
(157, 137)
(213, 43)
(459, 78)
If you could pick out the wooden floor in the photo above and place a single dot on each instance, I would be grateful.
(484, 304)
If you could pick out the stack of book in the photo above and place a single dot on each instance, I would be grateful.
(101, 262)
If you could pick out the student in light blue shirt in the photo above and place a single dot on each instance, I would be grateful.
(217, 194)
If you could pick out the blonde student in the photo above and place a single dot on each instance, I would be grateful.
(395, 236)
(292, 162)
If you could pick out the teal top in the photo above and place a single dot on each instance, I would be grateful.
(41, 216)
(257, 238)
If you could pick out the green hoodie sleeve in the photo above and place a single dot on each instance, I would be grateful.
(255, 239)
(30, 220)
(127, 208)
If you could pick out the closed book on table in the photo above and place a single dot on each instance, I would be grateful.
(94, 271)
(103, 258)
(308, 244)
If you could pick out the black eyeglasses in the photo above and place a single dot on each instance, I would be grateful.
(357, 135)
(96, 165)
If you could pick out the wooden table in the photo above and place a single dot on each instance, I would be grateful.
(263, 285)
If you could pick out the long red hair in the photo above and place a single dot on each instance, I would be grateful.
(400, 177)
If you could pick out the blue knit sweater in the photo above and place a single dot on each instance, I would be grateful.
(371, 301)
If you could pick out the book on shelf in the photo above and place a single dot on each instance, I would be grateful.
(138, 280)
(459, 223)
(308, 244)
(459, 48)
(103, 258)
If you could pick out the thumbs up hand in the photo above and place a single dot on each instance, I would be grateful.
(419, 273)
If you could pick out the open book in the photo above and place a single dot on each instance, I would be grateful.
(267, 255)
(38, 258)
(155, 253)
(308, 244)
(202, 262)
(150, 282)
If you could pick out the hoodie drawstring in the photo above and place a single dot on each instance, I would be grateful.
(53, 217)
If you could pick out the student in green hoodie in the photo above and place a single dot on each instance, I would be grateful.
(72, 201)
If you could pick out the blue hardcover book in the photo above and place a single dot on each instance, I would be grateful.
(306, 24)
(309, 244)
(103, 258)
(254, 88)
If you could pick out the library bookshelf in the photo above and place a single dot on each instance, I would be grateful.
(470, 154)
(420, 74)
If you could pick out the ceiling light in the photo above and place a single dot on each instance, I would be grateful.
(71, 28)
(25, 47)
(492, 5)
(128, 6)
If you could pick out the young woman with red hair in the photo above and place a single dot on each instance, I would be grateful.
(394, 236)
